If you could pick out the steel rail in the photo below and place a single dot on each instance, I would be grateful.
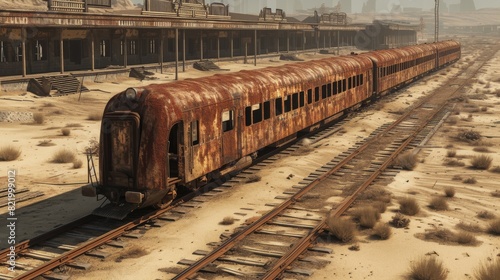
(299, 248)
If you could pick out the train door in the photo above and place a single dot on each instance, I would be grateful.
(175, 149)
(230, 150)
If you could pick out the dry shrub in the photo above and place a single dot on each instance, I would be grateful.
(63, 156)
(380, 206)
(451, 153)
(227, 221)
(93, 147)
(342, 229)
(65, 131)
(494, 227)
(484, 109)
(38, 118)
(409, 206)
(73, 125)
(48, 104)
(489, 271)
(485, 215)
(9, 153)
(469, 136)
(94, 117)
(382, 231)
(77, 163)
(465, 238)
(366, 216)
(438, 204)
(453, 163)
(495, 193)
(400, 221)
(481, 149)
(481, 162)
(469, 227)
(470, 180)
(495, 169)
(449, 191)
(427, 269)
(376, 194)
(441, 234)
(406, 160)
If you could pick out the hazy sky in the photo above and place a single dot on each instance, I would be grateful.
(382, 5)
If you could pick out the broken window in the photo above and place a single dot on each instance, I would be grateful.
(267, 110)
(195, 133)
(227, 121)
(278, 104)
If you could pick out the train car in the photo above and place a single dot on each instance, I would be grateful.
(396, 67)
(157, 137)
(448, 52)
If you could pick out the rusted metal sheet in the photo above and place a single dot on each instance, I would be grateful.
(449, 51)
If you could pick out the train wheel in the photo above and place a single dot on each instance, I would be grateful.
(166, 200)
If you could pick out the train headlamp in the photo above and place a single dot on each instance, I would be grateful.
(131, 94)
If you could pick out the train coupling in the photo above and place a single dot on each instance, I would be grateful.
(89, 190)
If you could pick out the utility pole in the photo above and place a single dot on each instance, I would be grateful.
(436, 17)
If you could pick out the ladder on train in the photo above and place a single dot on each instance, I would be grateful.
(92, 174)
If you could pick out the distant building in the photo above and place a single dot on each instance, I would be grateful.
(467, 6)
(369, 7)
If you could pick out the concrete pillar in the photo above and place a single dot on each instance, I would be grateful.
(162, 47)
(232, 44)
(125, 51)
(176, 54)
(92, 51)
(61, 52)
(184, 50)
(23, 49)
(201, 45)
(218, 46)
(255, 48)
(288, 41)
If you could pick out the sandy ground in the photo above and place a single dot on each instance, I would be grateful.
(155, 255)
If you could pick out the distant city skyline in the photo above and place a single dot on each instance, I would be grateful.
(290, 6)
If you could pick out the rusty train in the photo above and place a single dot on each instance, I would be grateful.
(159, 137)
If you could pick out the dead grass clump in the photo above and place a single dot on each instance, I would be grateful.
(451, 153)
(407, 160)
(366, 216)
(452, 120)
(63, 156)
(485, 215)
(494, 227)
(48, 104)
(449, 191)
(132, 253)
(38, 118)
(227, 221)
(380, 206)
(441, 234)
(438, 204)
(427, 269)
(77, 163)
(57, 112)
(489, 271)
(409, 206)
(470, 180)
(453, 163)
(484, 109)
(481, 162)
(495, 169)
(9, 153)
(94, 117)
(376, 194)
(65, 131)
(457, 178)
(382, 231)
(469, 227)
(465, 238)
(400, 221)
(495, 193)
(481, 149)
(45, 143)
(469, 136)
(342, 229)
(73, 125)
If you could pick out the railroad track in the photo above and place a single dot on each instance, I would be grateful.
(276, 243)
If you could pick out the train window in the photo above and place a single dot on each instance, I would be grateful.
(323, 91)
(339, 86)
(361, 82)
(227, 121)
(248, 116)
(194, 133)
(329, 89)
(278, 106)
(267, 110)
(335, 88)
(316, 94)
(344, 84)
(301, 99)
(295, 101)
(257, 113)
(288, 103)
(309, 96)
(349, 83)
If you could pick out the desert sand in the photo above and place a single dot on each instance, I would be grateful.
(155, 255)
